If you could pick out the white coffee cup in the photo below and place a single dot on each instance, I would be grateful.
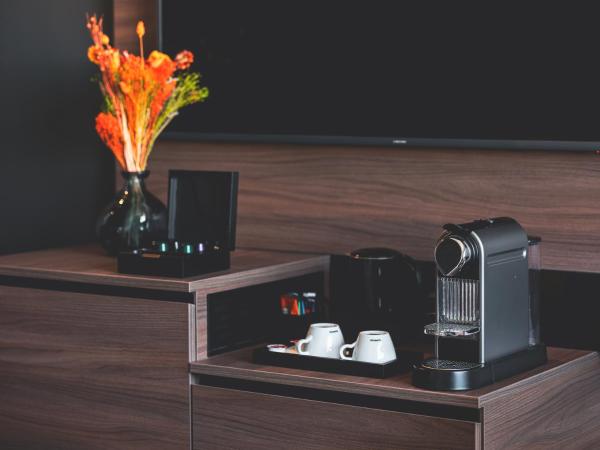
(371, 346)
(322, 339)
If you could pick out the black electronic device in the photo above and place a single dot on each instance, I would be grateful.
(483, 318)
(377, 289)
(201, 228)
(203, 207)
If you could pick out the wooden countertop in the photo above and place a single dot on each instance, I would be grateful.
(238, 365)
(89, 264)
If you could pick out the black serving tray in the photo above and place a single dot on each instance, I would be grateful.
(403, 363)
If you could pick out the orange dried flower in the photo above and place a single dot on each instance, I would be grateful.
(162, 66)
(109, 131)
(160, 97)
(93, 53)
(141, 95)
(157, 58)
(184, 59)
(114, 60)
(140, 29)
(125, 88)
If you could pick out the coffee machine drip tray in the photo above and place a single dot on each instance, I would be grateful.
(448, 375)
(444, 364)
(451, 329)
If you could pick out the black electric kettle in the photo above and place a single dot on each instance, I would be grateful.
(377, 289)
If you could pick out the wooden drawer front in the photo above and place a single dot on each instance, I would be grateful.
(82, 371)
(232, 419)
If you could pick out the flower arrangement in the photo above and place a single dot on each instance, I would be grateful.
(141, 95)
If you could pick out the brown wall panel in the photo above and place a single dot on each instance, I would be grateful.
(332, 199)
(126, 16)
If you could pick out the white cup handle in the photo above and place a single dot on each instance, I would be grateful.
(343, 349)
(302, 342)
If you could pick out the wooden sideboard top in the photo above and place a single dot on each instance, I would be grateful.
(89, 264)
(238, 365)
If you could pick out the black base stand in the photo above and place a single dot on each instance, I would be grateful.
(151, 262)
(461, 379)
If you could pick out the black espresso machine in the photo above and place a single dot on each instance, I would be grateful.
(377, 289)
(484, 313)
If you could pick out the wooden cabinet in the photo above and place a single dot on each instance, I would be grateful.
(82, 371)
(240, 404)
(94, 360)
(235, 419)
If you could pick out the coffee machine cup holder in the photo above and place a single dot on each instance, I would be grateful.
(451, 329)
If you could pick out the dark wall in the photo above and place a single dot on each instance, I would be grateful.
(569, 309)
(55, 174)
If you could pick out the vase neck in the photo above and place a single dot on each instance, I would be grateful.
(134, 181)
(135, 175)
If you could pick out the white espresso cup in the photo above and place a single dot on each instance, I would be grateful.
(371, 346)
(322, 339)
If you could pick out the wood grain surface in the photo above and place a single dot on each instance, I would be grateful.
(231, 419)
(89, 264)
(561, 413)
(239, 365)
(201, 327)
(334, 199)
(79, 371)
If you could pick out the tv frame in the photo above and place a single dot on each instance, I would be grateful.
(399, 141)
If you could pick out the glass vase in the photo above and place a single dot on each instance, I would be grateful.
(133, 219)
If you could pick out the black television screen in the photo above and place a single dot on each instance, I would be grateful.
(390, 73)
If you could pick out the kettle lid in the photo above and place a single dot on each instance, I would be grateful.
(375, 253)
